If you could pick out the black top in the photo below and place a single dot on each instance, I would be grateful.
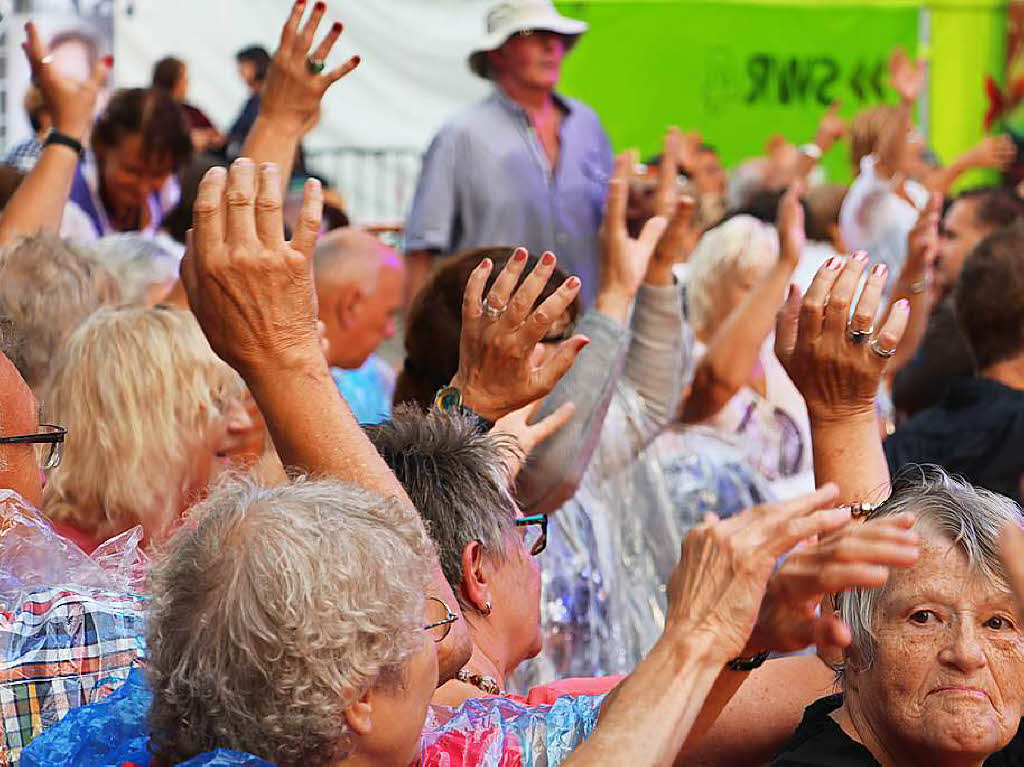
(977, 431)
(943, 355)
(820, 742)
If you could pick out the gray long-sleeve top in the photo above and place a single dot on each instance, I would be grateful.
(648, 358)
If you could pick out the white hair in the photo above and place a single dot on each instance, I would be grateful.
(274, 609)
(740, 243)
(971, 518)
(138, 262)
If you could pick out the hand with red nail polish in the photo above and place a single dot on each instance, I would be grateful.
(498, 369)
(72, 103)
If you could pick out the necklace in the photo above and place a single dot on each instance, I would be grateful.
(486, 683)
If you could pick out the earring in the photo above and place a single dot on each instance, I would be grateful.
(487, 608)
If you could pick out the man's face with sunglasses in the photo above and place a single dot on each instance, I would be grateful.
(19, 469)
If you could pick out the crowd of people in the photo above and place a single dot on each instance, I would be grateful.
(683, 465)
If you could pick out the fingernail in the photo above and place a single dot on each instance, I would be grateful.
(319, 7)
(860, 257)
(109, 61)
(581, 343)
(879, 270)
(572, 283)
(356, 59)
(243, 161)
(903, 305)
(547, 259)
(336, 27)
(485, 264)
(267, 167)
(834, 263)
(519, 255)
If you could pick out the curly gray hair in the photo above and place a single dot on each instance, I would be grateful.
(456, 477)
(970, 517)
(273, 610)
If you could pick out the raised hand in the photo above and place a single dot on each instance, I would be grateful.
(528, 435)
(719, 584)
(294, 86)
(835, 363)
(624, 260)
(923, 244)
(681, 232)
(252, 291)
(855, 556)
(992, 152)
(792, 236)
(498, 369)
(831, 128)
(905, 76)
(71, 102)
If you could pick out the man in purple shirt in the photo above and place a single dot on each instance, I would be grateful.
(524, 166)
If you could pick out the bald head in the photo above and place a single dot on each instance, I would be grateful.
(360, 285)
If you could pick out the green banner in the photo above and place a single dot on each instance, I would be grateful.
(737, 72)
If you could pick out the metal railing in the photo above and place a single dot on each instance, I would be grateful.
(377, 184)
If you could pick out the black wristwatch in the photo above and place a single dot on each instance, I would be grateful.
(449, 400)
(63, 139)
(749, 664)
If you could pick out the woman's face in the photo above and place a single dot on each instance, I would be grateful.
(948, 675)
(515, 595)
(227, 441)
(129, 175)
(398, 713)
(730, 293)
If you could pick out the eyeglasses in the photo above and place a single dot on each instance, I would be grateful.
(535, 532)
(49, 445)
(439, 619)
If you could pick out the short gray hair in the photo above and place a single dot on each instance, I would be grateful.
(47, 287)
(456, 477)
(970, 517)
(137, 262)
(274, 609)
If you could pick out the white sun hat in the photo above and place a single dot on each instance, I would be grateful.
(512, 16)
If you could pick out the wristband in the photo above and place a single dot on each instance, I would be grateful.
(63, 139)
(748, 664)
(812, 150)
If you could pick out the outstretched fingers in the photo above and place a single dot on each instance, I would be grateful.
(786, 325)
(550, 311)
(208, 216)
(269, 205)
(888, 337)
(240, 198)
(812, 309)
(307, 229)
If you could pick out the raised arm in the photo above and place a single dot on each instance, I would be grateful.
(837, 364)
(831, 128)
(557, 466)
(38, 204)
(908, 79)
(991, 152)
(736, 345)
(294, 89)
(253, 295)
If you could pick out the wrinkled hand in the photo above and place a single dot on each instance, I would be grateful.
(923, 241)
(528, 435)
(624, 260)
(831, 128)
(498, 372)
(855, 556)
(72, 103)
(292, 94)
(993, 152)
(906, 77)
(720, 581)
(252, 291)
(837, 377)
(790, 217)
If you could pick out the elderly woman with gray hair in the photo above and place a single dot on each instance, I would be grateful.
(935, 671)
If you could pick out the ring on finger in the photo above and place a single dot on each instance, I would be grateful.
(314, 65)
(493, 312)
(860, 336)
(880, 351)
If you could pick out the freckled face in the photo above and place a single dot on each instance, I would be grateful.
(948, 675)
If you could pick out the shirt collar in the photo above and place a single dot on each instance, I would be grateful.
(502, 98)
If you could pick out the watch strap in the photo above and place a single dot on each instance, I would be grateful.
(62, 139)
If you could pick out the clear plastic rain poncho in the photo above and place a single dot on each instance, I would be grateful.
(71, 625)
(612, 547)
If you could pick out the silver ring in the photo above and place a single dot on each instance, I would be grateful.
(316, 66)
(883, 353)
(860, 336)
(493, 312)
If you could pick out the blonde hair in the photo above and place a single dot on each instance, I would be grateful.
(740, 243)
(138, 390)
(866, 130)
